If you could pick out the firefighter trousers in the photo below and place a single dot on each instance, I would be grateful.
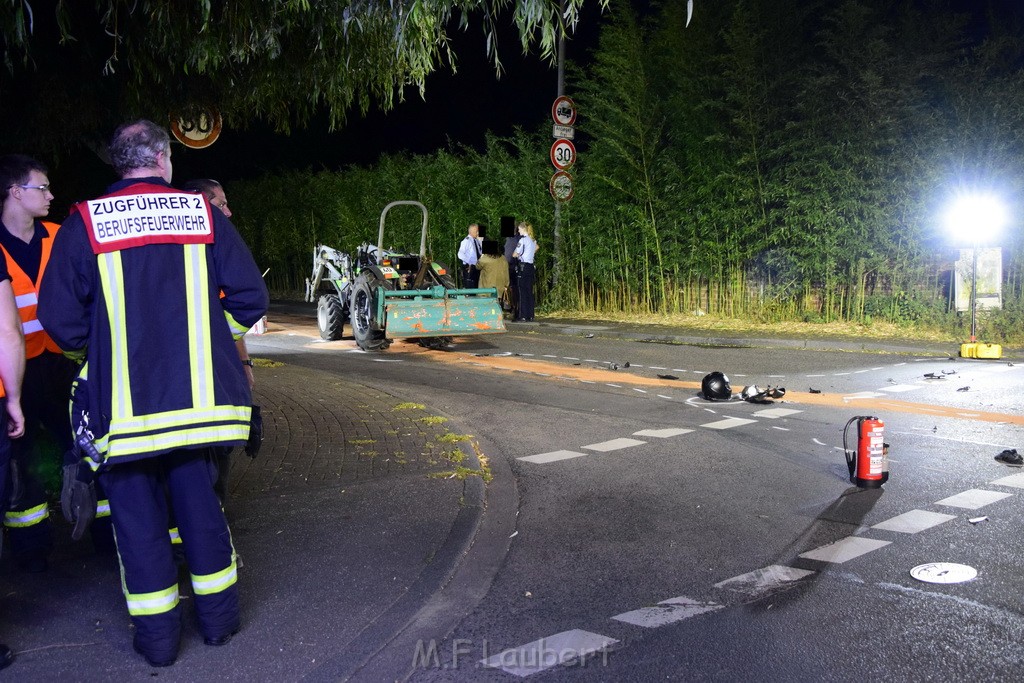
(138, 492)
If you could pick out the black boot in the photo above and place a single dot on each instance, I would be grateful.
(6, 656)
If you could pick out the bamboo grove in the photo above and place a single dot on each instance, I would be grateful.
(773, 161)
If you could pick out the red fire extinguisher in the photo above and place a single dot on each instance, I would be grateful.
(869, 464)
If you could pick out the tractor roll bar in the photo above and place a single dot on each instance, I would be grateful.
(423, 237)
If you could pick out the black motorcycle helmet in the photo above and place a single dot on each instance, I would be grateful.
(715, 387)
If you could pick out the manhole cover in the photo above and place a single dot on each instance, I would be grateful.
(943, 572)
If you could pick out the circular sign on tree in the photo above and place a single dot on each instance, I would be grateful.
(197, 128)
(563, 111)
(563, 154)
(560, 186)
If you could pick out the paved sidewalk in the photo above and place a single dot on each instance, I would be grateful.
(342, 530)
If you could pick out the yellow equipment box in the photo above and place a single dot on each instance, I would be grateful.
(981, 350)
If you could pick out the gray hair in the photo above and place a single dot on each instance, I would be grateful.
(136, 145)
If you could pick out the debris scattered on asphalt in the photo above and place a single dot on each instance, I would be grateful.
(626, 364)
(964, 389)
(891, 381)
(755, 394)
(590, 336)
(615, 366)
(667, 377)
(949, 372)
(529, 594)
(514, 534)
(932, 375)
(812, 390)
(975, 520)
(577, 363)
(481, 355)
(1011, 457)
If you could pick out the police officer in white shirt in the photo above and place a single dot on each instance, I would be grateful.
(469, 253)
(526, 252)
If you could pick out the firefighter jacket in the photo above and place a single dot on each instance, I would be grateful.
(26, 296)
(134, 285)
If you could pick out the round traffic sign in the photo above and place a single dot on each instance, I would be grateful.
(560, 186)
(563, 111)
(563, 154)
(197, 129)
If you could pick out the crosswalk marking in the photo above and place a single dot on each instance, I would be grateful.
(613, 445)
(914, 521)
(667, 612)
(728, 423)
(777, 412)
(844, 550)
(972, 499)
(548, 652)
(553, 456)
(662, 433)
(1014, 480)
(764, 580)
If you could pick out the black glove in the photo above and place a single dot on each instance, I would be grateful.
(252, 445)
(78, 497)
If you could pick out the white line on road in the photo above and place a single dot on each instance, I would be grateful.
(553, 456)
(1014, 480)
(613, 445)
(548, 652)
(662, 433)
(642, 391)
(609, 384)
(728, 423)
(914, 521)
(972, 499)
(664, 396)
(900, 387)
(777, 412)
(667, 612)
(844, 549)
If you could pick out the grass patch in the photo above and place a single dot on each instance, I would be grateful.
(362, 442)
(451, 437)
(433, 420)
(266, 363)
(409, 406)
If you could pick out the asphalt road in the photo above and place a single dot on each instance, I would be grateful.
(660, 536)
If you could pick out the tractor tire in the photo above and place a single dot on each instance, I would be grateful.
(330, 317)
(363, 304)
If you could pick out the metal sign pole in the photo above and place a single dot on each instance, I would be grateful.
(556, 270)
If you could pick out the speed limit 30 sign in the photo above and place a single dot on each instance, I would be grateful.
(563, 154)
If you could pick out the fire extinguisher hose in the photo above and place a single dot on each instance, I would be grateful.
(850, 455)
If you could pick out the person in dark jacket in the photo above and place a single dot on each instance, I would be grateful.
(151, 287)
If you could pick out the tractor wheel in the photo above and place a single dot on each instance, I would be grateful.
(330, 317)
(364, 311)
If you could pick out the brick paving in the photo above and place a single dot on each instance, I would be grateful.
(320, 429)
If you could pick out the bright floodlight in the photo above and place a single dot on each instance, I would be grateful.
(976, 218)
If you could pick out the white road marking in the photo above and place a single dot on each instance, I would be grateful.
(614, 445)
(820, 443)
(570, 357)
(591, 360)
(878, 368)
(814, 375)
(1014, 480)
(858, 372)
(664, 396)
(609, 384)
(764, 580)
(387, 360)
(994, 368)
(553, 456)
(550, 355)
(841, 374)
(728, 423)
(637, 365)
(777, 412)
(662, 433)
(587, 381)
(972, 499)
(548, 652)
(678, 370)
(844, 549)
(642, 391)
(667, 612)
(863, 394)
(769, 376)
(655, 367)
(895, 388)
(526, 354)
(914, 521)
(781, 429)
(542, 374)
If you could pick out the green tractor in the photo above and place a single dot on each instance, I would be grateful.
(385, 295)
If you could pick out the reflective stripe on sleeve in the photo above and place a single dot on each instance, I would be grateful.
(102, 508)
(175, 535)
(31, 327)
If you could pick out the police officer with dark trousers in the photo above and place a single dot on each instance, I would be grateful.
(470, 250)
(134, 284)
(12, 368)
(25, 242)
(526, 252)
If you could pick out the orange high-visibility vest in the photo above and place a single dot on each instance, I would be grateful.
(26, 295)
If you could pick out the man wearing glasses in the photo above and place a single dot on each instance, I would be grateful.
(25, 241)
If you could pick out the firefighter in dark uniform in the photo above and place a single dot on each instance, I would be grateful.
(25, 243)
(134, 285)
(12, 368)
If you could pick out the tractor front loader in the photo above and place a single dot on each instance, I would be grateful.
(386, 295)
